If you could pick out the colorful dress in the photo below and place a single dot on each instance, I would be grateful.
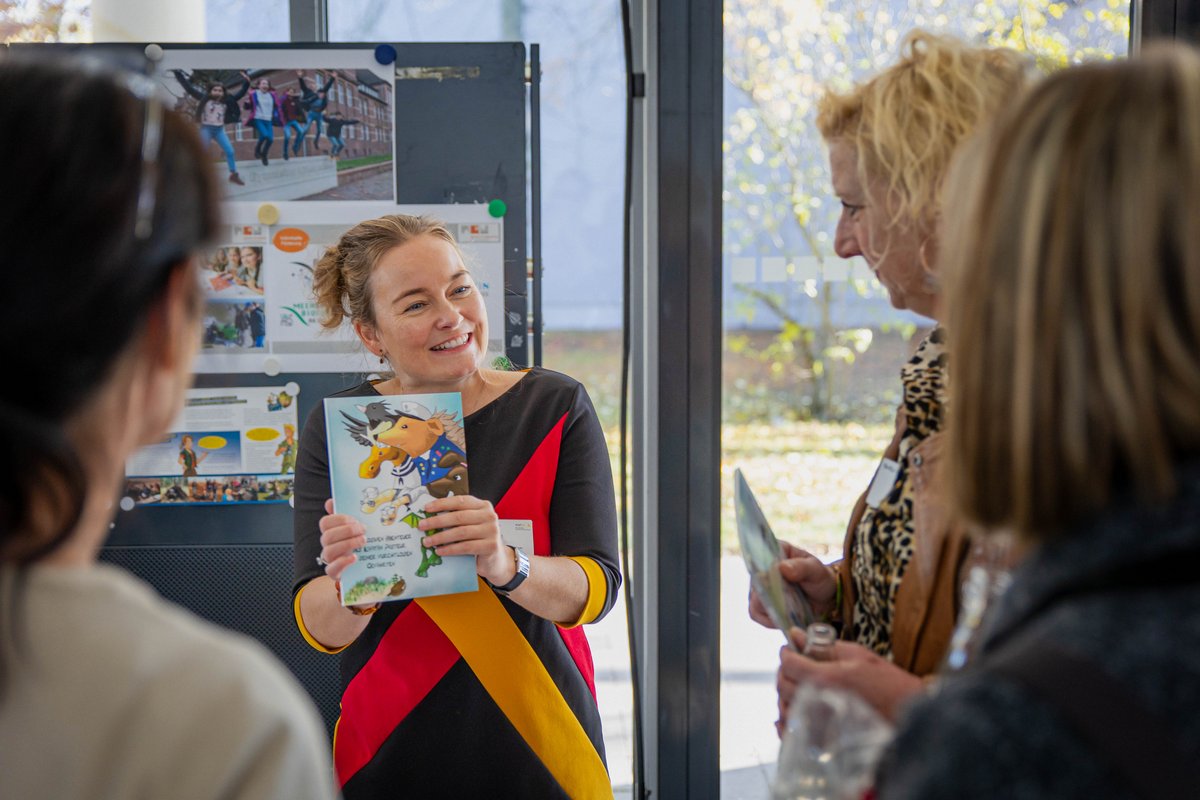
(470, 695)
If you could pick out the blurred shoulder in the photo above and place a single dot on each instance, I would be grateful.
(987, 738)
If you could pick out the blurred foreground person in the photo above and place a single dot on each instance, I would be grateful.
(106, 690)
(1072, 265)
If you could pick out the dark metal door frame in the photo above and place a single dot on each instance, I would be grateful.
(676, 331)
(1164, 19)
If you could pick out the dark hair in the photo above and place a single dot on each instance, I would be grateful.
(78, 281)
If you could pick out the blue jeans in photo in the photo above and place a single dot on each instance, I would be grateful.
(313, 116)
(339, 144)
(299, 129)
(263, 128)
(216, 133)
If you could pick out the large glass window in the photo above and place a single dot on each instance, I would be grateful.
(247, 20)
(46, 21)
(812, 345)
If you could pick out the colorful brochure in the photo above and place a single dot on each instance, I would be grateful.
(228, 446)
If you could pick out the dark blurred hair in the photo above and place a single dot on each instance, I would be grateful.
(77, 281)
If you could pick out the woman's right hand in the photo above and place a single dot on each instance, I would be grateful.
(341, 535)
(801, 568)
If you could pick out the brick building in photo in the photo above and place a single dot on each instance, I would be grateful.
(362, 97)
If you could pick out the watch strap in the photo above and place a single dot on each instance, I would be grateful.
(519, 578)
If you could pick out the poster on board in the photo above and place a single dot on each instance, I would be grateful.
(302, 141)
(313, 125)
(259, 309)
(227, 446)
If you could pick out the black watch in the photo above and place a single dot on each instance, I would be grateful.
(519, 578)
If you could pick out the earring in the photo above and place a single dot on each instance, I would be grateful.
(382, 359)
(923, 259)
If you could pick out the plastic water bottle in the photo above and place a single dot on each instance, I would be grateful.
(819, 641)
(833, 739)
(987, 580)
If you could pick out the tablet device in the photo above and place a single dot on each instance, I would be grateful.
(785, 603)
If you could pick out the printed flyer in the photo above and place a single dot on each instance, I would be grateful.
(260, 314)
(387, 460)
(229, 445)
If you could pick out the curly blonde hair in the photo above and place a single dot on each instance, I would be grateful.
(342, 277)
(906, 123)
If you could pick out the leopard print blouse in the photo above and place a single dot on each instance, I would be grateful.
(883, 541)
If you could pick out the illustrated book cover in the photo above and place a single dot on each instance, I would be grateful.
(388, 458)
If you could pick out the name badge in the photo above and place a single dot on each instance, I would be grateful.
(517, 533)
(882, 483)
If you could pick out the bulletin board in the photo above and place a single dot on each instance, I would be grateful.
(437, 129)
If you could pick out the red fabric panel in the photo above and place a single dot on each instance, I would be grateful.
(529, 498)
(576, 641)
(411, 658)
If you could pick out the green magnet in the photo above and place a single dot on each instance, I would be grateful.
(497, 208)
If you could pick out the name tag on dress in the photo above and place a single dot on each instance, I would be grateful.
(882, 483)
(517, 533)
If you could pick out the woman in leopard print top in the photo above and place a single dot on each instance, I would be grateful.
(891, 141)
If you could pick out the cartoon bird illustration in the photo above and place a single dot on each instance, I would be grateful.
(379, 420)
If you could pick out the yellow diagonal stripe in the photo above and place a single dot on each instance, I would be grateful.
(514, 676)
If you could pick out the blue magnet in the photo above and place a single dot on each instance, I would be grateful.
(385, 54)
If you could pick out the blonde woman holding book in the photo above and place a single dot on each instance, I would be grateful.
(488, 693)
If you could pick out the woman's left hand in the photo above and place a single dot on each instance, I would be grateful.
(469, 526)
(883, 685)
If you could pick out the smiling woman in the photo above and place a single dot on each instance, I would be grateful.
(503, 674)
(428, 322)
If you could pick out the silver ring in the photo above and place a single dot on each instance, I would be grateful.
(322, 562)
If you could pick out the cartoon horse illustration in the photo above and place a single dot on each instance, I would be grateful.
(427, 453)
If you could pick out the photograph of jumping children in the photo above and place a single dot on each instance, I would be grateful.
(214, 96)
(292, 134)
